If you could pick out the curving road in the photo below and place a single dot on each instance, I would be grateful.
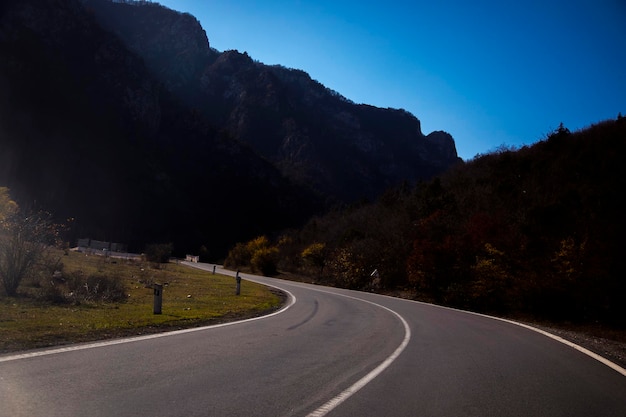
(329, 352)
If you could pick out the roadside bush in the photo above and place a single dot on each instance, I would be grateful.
(96, 287)
(265, 260)
(238, 256)
(51, 292)
(256, 254)
(159, 253)
(315, 256)
(23, 242)
(77, 287)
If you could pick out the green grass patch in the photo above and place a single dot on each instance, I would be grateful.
(191, 297)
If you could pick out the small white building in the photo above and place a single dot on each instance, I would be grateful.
(192, 258)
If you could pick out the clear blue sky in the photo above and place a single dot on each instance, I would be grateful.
(489, 72)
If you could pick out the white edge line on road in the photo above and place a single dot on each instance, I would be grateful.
(330, 405)
(573, 345)
(353, 389)
(73, 348)
(579, 348)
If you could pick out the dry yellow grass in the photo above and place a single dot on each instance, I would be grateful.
(190, 298)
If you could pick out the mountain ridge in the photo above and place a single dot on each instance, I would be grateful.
(285, 115)
(89, 131)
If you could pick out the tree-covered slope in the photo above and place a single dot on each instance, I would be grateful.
(538, 230)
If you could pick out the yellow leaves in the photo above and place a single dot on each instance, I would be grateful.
(490, 274)
(256, 244)
(349, 267)
(257, 253)
(314, 252)
(265, 259)
(7, 206)
(490, 265)
(568, 258)
(492, 251)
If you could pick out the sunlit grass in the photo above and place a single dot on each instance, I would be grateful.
(190, 297)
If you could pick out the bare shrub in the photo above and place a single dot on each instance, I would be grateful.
(77, 287)
(95, 287)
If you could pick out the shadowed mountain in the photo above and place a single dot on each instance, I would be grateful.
(121, 116)
(314, 135)
(87, 132)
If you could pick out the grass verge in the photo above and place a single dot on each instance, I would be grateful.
(191, 298)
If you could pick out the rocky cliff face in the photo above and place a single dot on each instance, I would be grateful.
(172, 44)
(126, 120)
(314, 135)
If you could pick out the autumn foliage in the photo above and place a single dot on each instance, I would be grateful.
(537, 231)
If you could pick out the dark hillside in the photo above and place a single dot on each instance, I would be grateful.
(544, 224)
(316, 137)
(535, 231)
(87, 132)
(120, 116)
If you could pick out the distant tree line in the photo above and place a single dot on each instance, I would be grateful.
(535, 231)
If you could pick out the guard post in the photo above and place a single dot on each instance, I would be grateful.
(158, 298)
(238, 278)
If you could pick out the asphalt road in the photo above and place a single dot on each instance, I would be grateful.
(329, 352)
